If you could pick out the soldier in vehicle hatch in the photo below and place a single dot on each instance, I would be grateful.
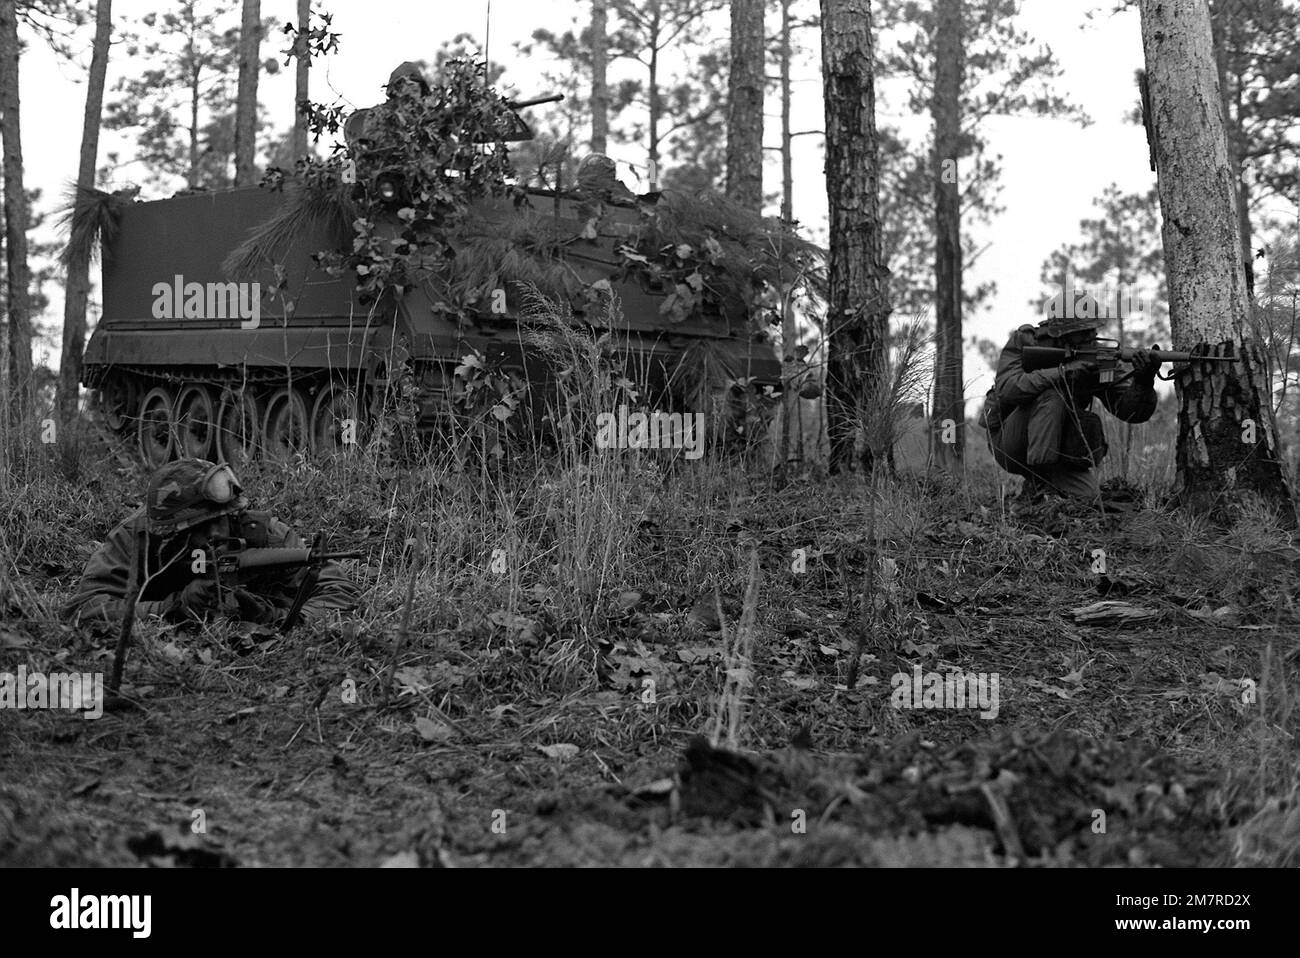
(191, 505)
(1041, 424)
(357, 129)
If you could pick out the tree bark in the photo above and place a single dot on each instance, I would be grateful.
(1223, 32)
(1220, 407)
(858, 306)
(301, 91)
(653, 93)
(192, 176)
(949, 53)
(18, 277)
(791, 406)
(745, 105)
(599, 83)
(250, 39)
(78, 289)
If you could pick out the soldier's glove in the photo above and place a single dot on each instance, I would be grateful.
(196, 600)
(1145, 366)
(254, 608)
(1077, 368)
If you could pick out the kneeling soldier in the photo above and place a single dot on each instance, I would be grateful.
(1041, 424)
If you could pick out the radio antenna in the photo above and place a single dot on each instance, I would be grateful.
(487, 40)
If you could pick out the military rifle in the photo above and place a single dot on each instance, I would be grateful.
(234, 562)
(1106, 355)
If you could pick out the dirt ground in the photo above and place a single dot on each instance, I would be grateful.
(510, 738)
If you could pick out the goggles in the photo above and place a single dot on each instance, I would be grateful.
(219, 485)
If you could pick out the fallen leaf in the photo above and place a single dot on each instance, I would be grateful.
(1076, 677)
(690, 654)
(401, 860)
(627, 600)
(660, 786)
(804, 684)
(563, 752)
(862, 682)
(1214, 682)
(1054, 689)
(87, 786)
(432, 731)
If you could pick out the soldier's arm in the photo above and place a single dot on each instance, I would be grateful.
(101, 593)
(333, 591)
(1015, 386)
(1131, 401)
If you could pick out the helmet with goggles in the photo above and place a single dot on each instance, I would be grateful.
(191, 492)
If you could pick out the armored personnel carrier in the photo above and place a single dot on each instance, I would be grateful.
(187, 362)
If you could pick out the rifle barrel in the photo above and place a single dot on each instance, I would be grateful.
(520, 104)
(1042, 357)
(268, 558)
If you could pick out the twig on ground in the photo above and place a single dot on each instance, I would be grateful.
(400, 642)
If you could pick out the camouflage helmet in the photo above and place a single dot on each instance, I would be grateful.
(407, 71)
(190, 492)
(1065, 315)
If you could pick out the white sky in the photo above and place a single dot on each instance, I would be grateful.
(1052, 169)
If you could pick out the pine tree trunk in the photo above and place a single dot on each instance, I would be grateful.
(791, 406)
(949, 54)
(1222, 30)
(192, 175)
(599, 83)
(78, 289)
(653, 94)
(18, 276)
(1219, 407)
(301, 91)
(857, 315)
(250, 38)
(745, 105)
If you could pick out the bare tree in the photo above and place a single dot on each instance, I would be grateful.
(745, 105)
(945, 109)
(78, 289)
(1227, 436)
(599, 68)
(18, 276)
(857, 313)
(250, 39)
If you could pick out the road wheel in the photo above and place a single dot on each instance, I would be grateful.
(286, 430)
(196, 422)
(117, 402)
(335, 421)
(156, 430)
(239, 423)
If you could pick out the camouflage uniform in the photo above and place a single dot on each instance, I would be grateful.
(1041, 425)
(162, 529)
